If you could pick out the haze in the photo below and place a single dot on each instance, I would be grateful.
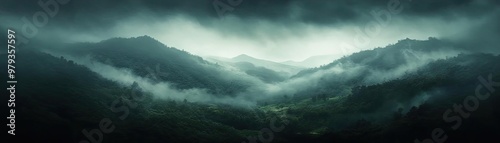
(278, 31)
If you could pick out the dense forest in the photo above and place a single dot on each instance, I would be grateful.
(144, 55)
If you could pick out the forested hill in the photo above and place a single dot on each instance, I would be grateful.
(57, 99)
(404, 52)
(146, 57)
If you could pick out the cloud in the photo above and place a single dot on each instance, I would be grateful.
(109, 12)
(481, 35)
(277, 30)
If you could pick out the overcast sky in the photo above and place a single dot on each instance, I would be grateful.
(277, 30)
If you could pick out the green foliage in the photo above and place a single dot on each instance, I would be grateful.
(58, 99)
(144, 55)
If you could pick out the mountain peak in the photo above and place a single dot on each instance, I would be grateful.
(145, 37)
(243, 56)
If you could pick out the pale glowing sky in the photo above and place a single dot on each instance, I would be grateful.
(278, 30)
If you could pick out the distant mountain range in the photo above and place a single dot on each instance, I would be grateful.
(314, 61)
(404, 55)
(288, 70)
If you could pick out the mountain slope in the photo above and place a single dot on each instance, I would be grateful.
(372, 67)
(409, 107)
(147, 57)
(404, 52)
(264, 74)
(61, 99)
(267, 64)
(313, 61)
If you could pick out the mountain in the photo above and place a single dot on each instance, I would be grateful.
(267, 64)
(406, 108)
(264, 74)
(404, 55)
(147, 57)
(62, 100)
(391, 94)
(277, 67)
(375, 66)
(314, 61)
